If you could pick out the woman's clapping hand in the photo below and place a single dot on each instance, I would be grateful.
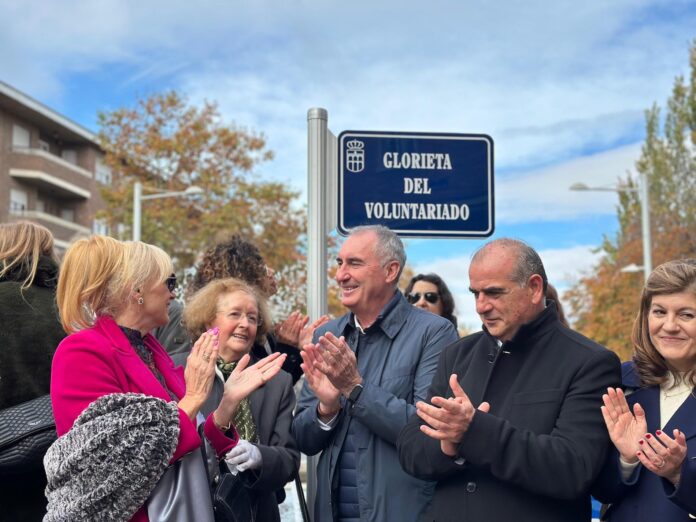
(626, 428)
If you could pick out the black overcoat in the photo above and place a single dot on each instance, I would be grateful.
(29, 335)
(535, 455)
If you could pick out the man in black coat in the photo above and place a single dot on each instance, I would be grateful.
(512, 429)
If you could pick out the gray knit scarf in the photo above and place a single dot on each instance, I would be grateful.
(105, 467)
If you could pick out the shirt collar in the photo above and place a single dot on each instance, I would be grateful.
(385, 317)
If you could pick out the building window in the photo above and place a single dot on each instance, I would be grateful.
(44, 146)
(40, 205)
(21, 137)
(99, 226)
(102, 172)
(67, 214)
(70, 155)
(18, 201)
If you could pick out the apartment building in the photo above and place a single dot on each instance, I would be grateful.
(50, 169)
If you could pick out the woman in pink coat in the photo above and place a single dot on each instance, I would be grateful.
(111, 294)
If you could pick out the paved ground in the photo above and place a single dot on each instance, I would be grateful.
(290, 509)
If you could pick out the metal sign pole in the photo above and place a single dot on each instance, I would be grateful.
(317, 164)
(317, 226)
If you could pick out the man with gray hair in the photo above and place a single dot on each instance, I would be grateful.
(512, 428)
(362, 377)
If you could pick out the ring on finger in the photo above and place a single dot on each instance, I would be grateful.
(661, 464)
(206, 357)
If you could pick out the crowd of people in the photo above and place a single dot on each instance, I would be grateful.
(158, 403)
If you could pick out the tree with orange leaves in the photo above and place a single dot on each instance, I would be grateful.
(605, 302)
(167, 144)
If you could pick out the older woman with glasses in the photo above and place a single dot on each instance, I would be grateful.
(123, 411)
(429, 292)
(236, 257)
(651, 472)
(266, 453)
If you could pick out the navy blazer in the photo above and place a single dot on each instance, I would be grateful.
(646, 496)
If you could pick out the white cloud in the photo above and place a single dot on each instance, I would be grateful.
(544, 195)
(548, 81)
(542, 103)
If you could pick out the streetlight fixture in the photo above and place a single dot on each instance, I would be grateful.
(138, 199)
(632, 268)
(645, 219)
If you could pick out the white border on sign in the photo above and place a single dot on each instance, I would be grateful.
(420, 233)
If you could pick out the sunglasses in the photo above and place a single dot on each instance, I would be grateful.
(431, 297)
(171, 282)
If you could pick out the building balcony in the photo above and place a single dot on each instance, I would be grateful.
(57, 162)
(59, 226)
(50, 183)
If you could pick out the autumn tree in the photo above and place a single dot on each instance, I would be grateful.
(167, 144)
(605, 302)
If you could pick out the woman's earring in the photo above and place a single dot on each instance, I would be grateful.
(141, 300)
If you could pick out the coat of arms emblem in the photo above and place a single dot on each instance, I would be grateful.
(355, 156)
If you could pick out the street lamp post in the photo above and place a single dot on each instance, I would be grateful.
(138, 199)
(645, 217)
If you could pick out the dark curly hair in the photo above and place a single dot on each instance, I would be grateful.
(445, 294)
(672, 277)
(235, 257)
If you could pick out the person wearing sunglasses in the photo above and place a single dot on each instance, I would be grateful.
(123, 410)
(429, 292)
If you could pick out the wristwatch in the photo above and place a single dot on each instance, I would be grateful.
(355, 393)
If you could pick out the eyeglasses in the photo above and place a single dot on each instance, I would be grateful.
(236, 315)
(171, 282)
(431, 297)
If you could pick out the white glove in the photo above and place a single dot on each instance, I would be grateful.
(243, 456)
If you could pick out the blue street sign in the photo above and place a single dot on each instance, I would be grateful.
(417, 184)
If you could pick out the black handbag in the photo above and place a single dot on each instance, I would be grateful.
(231, 498)
(26, 432)
(232, 501)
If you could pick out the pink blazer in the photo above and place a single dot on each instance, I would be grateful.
(99, 361)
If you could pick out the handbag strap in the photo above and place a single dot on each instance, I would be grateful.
(204, 453)
(301, 498)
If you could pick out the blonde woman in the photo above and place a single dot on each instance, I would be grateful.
(29, 334)
(123, 407)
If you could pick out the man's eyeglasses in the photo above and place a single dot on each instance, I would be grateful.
(431, 297)
(171, 282)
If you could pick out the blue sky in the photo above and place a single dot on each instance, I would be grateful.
(560, 86)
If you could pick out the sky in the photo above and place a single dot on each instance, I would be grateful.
(561, 87)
